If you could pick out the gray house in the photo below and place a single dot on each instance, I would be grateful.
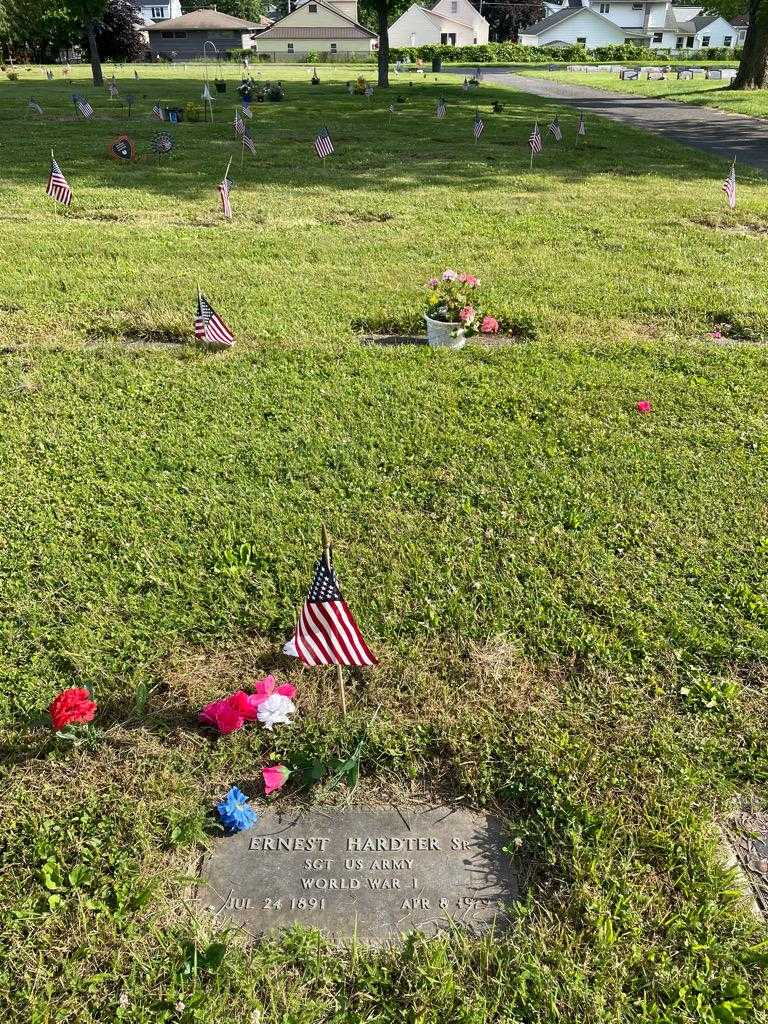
(185, 36)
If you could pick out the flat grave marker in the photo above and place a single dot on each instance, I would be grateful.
(373, 873)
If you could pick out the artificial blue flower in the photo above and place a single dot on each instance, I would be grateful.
(235, 814)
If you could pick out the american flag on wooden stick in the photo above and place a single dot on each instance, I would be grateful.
(554, 129)
(248, 142)
(58, 187)
(582, 129)
(247, 109)
(323, 144)
(326, 631)
(534, 140)
(34, 105)
(84, 107)
(729, 186)
(158, 112)
(209, 326)
(225, 187)
(239, 124)
(478, 127)
(441, 108)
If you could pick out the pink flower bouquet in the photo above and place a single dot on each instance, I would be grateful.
(453, 299)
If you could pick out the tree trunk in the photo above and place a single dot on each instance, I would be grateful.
(383, 11)
(93, 48)
(752, 66)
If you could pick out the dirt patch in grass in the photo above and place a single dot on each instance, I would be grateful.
(723, 222)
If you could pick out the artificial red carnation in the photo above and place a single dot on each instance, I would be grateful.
(72, 707)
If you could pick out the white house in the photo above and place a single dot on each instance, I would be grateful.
(160, 10)
(446, 22)
(657, 24)
(322, 26)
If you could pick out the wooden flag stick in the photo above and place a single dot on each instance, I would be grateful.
(339, 672)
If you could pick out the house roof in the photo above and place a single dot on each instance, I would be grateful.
(554, 19)
(350, 30)
(203, 21)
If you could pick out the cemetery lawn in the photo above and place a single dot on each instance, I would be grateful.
(699, 91)
(568, 598)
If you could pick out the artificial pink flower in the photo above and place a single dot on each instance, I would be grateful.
(275, 777)
(717, 335)
(466, 314)
(244, 705)
(266, 687)
(449, 275)
(433, 282)
(222, 716)
(644, 407)
(473, 282)
(490, 325)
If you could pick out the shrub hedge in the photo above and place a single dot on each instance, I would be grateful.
(514, 53)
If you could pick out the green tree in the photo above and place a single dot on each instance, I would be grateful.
(39, 28)
(89, 15)
(378, 15)
(116, 34)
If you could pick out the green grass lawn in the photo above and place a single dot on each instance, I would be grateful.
(699, 91)
(568, 598)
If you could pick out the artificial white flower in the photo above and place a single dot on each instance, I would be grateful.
(276, 710)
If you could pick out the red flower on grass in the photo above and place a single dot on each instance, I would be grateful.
(644, 407)
(72, 707)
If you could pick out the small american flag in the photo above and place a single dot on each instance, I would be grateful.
(247, 140)
(158, 112)
(209, 326)
(58, 187)
(369, 91)
(205, 95)
(49, 75)
(555, 130)
(391, 108)
(84, 107)
(582, 129)
(35, 106)
(247, 109)
(326, 633)
(224, 189)
(239, 124)
(729, 186)
(478, 127)
(440, 111)
(534, 140)
(113, 90)
(323, 144)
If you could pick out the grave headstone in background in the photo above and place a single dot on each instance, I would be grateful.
(374, 873)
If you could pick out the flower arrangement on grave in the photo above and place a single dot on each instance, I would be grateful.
(497, 107)
(275, 93)
(360, 85)
(453, 300)
(193, 112)
(315, 80)
(221, 85)
(269, 704)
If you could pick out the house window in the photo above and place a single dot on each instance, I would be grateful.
(454, 6)
(167, 35)
(157, 12)
(658, 37)
(705, 40)
(312, 8)
(605, 8)
(689, 42)
(628, 41)
(179, 35)
(637, 7)
(582, 40)
(334, 48)
(727, 40)
(290, 47)
(679, 43)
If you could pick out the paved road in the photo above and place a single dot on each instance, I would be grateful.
(701, 127)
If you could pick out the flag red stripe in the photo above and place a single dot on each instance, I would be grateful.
(339, 643)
